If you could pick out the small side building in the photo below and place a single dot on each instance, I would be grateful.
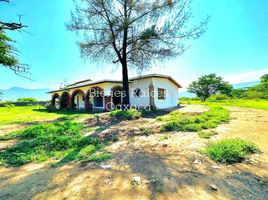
(154, 90)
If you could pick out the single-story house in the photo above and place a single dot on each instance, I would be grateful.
(154, 90)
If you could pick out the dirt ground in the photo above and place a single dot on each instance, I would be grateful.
(157, 166)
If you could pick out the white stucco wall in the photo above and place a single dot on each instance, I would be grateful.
(171, 93)
(143, 85)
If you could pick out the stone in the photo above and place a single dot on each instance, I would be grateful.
(106, 166)
(108, 181)
(213, 187)
(146, 181)
(136, 180)
(216, 167)
(197, 161)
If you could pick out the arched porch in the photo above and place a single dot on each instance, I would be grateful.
(78, 99)
(65, 101)
(56, 101)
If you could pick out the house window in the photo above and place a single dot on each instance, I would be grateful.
(161, 93)
(137, 92)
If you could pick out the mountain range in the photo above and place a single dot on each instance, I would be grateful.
(14, 93)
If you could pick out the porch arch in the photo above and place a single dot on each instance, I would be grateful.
(78, 99)
(54, 99)
(65, 100)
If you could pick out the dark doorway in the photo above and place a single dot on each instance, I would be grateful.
(117, 96)
(64, 100)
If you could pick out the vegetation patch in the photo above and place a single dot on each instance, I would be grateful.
(25, 114)
(56, 140)
(177, 121)
(146, 131)
(230, 151)
(125, 114)
(206, 134)
(248, 103)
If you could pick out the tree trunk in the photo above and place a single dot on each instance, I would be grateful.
(125, 103)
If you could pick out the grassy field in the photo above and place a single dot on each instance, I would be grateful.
(31, 114)
(249, 103)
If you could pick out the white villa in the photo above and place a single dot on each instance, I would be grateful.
(154, 90)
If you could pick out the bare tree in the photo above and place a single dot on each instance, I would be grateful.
(133, 32)
(8, 53)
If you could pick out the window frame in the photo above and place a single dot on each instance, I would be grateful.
(164, 94)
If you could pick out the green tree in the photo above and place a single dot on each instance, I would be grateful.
(8, 53)
(133, 33)
(264, 78)
(260, 90)
(208, 85)
(29, 99)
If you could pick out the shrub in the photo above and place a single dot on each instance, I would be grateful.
(9, 104)
(170, 126)
(218, 97)
(125, 114)
(30, 99)
(230, 150)
(206, 134)
(49, 107)
(192, 127)
(252, 94)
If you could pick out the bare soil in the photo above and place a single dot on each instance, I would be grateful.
(158, 166)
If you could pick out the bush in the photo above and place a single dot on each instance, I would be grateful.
(218, 97)
(125, 114)
(49, 107)
(170, 126)
(230, 150)
(251, 94)
(206, 134)
(9, 104)
(27, 100)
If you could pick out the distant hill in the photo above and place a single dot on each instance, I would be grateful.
(14, 93)
(236, 86)
(245, 85)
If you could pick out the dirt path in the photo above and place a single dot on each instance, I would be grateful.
(155, 167)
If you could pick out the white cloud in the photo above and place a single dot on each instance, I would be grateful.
(244, 77)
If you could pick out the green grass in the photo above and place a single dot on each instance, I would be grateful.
(146, 131)
(125, 114)
(230, 151)
(206, 134)
(248, 103)
(26, 114)
(62, 141)
(177, 121)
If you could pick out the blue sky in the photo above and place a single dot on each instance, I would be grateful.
(235, 45)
